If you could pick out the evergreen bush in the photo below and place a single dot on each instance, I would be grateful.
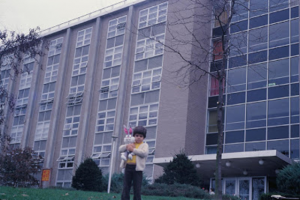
(180, 170)
(288, 179)
(88, 176)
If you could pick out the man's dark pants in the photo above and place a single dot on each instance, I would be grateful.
(132, 176)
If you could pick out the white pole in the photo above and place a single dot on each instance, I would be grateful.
(112, 155)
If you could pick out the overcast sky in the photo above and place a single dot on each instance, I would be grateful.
(21, 15)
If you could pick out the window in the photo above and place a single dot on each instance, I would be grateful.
(294, 69)
(23, 97)
(258, 7)
(108, 104)
(280, 52)
(146, 80)
(234, 137)
(236, 80)
(214, 86)
(241, 10)
(145, 98)
(257, 57)
(295, 131)
(278, 91)
(294, 149)
(256, 115)
(256, 135)
(278, 72)
(116, 27)
(147, 64)
(84, 37)
(218, 51)
(295, 30)
(257, 76)
(150, 47)
(211, 139)
(235, 117)
(111, 72)
(278, 112)
(48, 91)
(280, 145)
(109, 88)
(238, 43)
(239, 26)
(212, 121)
(16, 133)
(236, 98)
(144, 115)
(233, 148)
(278, 4)
(259, 21)
(295, 110)
(237, 61)
(77, 84)
(113, 56)
(153, 15)
(279, 16)
(55, 47)
(258, 39)
(105, 121)
(279, 132)
(277, 36)
(42, 129)
(72, 120)
(255, 146)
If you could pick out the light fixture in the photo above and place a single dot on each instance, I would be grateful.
(261, 161)
(228, 164)
(245, 172)
(198, 165)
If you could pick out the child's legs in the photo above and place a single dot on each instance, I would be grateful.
(128, 177)
(137, 184)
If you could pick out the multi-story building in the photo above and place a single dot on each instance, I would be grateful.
(111, 68)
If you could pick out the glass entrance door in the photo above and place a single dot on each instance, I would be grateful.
(230, 186)
(244, 188)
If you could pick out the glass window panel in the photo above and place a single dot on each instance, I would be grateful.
(256, 146)
(295, 131)
(280, 52)
(140, 65)
(294, 69)
(241, 10)
(281, 146)
(278, 72)
(257, 75)
(155, 62)
(236, 98)
(211, 139)
(234, 148)
(238, 44)
(278, 132)
(152, 97)
(212, 121)
(237, 61)
(235, 117)
(234, 137)
(278, 112)
(257, 57)
(256, 114)
(258, 7)
(279, 16)
(211, 150)
(295, 30)
(295, 89)
(278, 4)
(295, 110)
(277, 36)
(258, 21)
(295, 149)
(279, 91)
(256, 134)
(295, 12)
(294, 49)
(258, 187)
(239, 26)
(236, 80)
(258, 39)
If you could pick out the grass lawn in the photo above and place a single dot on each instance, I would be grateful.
(40, 194)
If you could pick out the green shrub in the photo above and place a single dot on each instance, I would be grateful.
(180, 170)
(88, 176)
(288, 179)
(175, 190)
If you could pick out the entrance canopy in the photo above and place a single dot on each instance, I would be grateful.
(251, 163)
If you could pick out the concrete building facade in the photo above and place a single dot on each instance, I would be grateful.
(111, 68)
